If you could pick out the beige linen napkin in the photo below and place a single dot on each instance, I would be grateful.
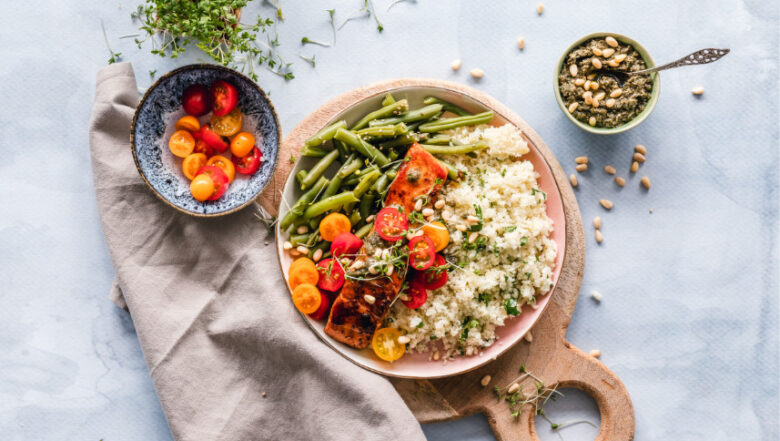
(229, 356)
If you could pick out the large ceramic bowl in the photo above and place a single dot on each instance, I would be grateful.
(642, 115)
(153, 125)
(420, 365)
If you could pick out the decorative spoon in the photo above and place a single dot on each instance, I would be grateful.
(702, 56)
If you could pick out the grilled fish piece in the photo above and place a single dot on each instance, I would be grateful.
(353, 320)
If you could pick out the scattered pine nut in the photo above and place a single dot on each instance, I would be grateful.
(581, 167)
(620, 57)
(697, 90)
(439, 204)
(404, 339)
(595, 353)
(595, 62)
(611, 42)
(521, 43)
(638, 157)
(651, 211)
(369, 298)
(599, 236)
(610, 103)
(600, 96)
(597, 52)
(460, 227)
(634, 167)
(597, 222)
(606, 203)
(620, 181)
(263, 394)
(645, 182)
(455, 65)
(596, 295)
(573, 106)
(528, 337)
(473, 237)
(477, 73)
(418, 205)
(472, 219)
(606, 53)
(573, 70)
(427, 212)
(303, 229)
(573, 180)
(640, 149)
(485, 380)
(616, 93)
(317, 255)
(294, 253)
(513, 388)
(581, 159)
(610, 170)
(370, 219)
(592, 120)
(594, 85)
(539, 8)
(287, 245)
(613, 63)
(303, 250)
(436, 355)
(579, 81)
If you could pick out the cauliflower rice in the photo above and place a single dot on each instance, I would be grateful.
(510, 263)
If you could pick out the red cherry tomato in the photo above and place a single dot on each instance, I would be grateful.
(345, 243)
(331, 274)
(210, 137)
(422, 251)
(324, 309)
(201, 146)
(196, 100)
(220, 180)
(417, 295)
(250, 163)
(391, 224)
(224, 97)
(434, 277)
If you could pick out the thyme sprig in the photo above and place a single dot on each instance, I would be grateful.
(115, 56)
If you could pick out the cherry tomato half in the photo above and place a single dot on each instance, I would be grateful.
(225, 164)
(181, 143)
(196, 100)
(210, 137)
(331, 274)
(227, 125)
(345, 243)
(192, 164)
(219, 178)
(202, 187)
(434, 277)
(202, 147)
(242, 144)
(422, 252)
(250, 163)
(391, 224)
(324, 309)
(386, 346)
(224, 97)
(417, 295)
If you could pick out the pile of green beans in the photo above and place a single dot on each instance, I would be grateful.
(368, 155)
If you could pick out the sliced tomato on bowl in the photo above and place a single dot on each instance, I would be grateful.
(227, 125)
(434, 277)
(201, 146)
(250, 163)
(345, 243)
(224, 97)
(391, 224)
(219, 178)
(196, 100)
(213, 139)
(225, 164)
(422, 252)
(417, 295)
(331, 274)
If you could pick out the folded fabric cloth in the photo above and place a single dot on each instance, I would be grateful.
(230, 357)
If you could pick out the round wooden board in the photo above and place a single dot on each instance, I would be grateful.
(549, 356)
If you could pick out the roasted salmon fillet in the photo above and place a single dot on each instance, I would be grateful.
(355, 317)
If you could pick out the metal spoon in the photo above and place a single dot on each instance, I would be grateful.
(702, 56)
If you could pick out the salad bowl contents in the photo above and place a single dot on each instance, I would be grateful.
(415, 236)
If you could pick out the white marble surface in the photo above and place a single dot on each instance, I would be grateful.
(689, 319)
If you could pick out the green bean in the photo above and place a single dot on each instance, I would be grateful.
(381, 183)
(354, 217)
(343, 150)
(390, 109)
(361, 146)
(362, 187)
(451, 123)
(454, 149)
(367, 170)
(364, 230)
(300, 175)
(452, 172)
(383, 131)
(403, 140)
(313, 152)
(388, 99)
(366, 203)
(440, 140)
(325, 134)
(351, 181)
(350, 166)
(393, 155)
(318, 169)
(322, 245)
(299, 239)
(314, 237)
(411, 116)
(449, 107)
(332, 203)
(300, 205)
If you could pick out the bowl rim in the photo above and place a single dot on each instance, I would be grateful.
(217, 67)
(654, 93)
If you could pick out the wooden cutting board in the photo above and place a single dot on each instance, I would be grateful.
(549, 356)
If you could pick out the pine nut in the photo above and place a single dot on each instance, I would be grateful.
(446, 215)
(620, 181)
(303, 229)
(640, 149)
(592, 120)
(317, 255)
(581, 159)
(356, 265)
(477, 73)
(600, 96)
(370, 219)
(606, 203)
(595, 103)
(404, 339)
(610, 170)
(606, 53)
(597, 52)
(645, 182)
(513, 388)
(599, 236)
(521, 43)
(294, 253)
(595, 353)
(573, 106)
(597, 222)
(579, 81)
(634, 167)
(638, 157)
(287, 245)
(369, 299)
(596, 63)
(619, 58)
(427, 212)
(539, 8)
(697, 90)
(373, 269)
(594, 85)
(611, 42)
(472, 219)
(485, 380)
(460, 227)
(418, 205)
(616, 93)
(591, 76)
(610, 103)
(613, 63)
(390, 269)
(596, 295)
(473, 237)
(586, 86)
(581, 167)
(455, 65)
(436, 355)
(573, 70)
(303, 250)
(439, 204)
(573, 180)
(528, 337)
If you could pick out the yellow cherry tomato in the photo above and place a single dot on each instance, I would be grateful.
(192, 164)
(202, 187)
(438, 234)
(227, 125)
(242, 144)
(386, 346)
(306, 297)
(225, 164)
(188, 123)
(181, 143)
(334, 224)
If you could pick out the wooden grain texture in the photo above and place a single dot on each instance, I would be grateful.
(550, 357)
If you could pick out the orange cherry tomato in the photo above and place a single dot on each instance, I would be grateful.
(188, 123)
(303, 274)
(192, 164)
(242, 144)
(307, 298)
(225, 164)
(305, 261)
(334, 224)
(202, 187)
(181, 143)
(438, 234)
(227, 125)
(219, 178)
(386, 346)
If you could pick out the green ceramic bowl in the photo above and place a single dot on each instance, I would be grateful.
(639, 118)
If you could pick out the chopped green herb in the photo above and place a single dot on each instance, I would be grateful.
(510, 305)
(510, 228)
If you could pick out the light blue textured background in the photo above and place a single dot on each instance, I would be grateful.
(689, 319)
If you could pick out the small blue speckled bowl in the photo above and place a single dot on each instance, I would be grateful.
(153, 124)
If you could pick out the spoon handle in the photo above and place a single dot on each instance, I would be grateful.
(703, 56)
